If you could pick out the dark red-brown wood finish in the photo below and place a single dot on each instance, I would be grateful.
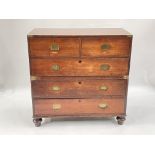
(79, 72)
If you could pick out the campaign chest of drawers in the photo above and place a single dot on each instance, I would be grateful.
(79, 72)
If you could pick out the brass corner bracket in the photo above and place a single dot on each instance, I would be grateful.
(125, 77)
(130, 36)
(33, 78)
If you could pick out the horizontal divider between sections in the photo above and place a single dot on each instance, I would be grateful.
(78, 98)
(63, 78)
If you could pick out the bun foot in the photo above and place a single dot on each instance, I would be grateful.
(37, 121)
(120, 120)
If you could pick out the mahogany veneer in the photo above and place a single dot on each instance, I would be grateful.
(76, 67)
(79, 72)
(42, 107)
(84, 88)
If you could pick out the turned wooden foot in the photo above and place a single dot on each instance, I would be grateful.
(120, 119)
(37, 121)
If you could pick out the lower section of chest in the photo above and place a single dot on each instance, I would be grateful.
(85, 97)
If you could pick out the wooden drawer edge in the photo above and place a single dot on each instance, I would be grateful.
(81, 115)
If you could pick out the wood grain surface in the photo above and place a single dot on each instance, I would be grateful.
(118, 46)
(77, 88)
(84, 67)
(44, 107)
(67, 82)
(40, 47)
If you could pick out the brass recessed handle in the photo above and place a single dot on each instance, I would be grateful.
(56, 106)
(55, 67)
(105, 88)
(105, 67)
(54, 47)
(105, 47)
(102, 105)
(54, 88)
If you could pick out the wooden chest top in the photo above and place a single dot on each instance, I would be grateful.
(79, 32)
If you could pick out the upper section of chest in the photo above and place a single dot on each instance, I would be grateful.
(60, 43)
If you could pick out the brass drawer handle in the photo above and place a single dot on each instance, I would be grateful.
(55, 67)
(102, 105)
(105, 88)
(56, 106)
(54, 88)
(54, 47)
(105, 67)
(105, 47)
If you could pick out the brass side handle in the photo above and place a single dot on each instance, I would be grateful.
(105, 47)
(54, 47)
(103, 105)
(104, 88)
(105, 67)
(54, 88)
(55, 67)
(56, 106)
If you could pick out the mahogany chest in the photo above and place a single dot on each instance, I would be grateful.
(79, 72)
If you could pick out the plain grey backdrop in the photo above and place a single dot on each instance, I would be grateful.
(15, 101)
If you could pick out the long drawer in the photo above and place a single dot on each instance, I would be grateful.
(77, 88)
(76, 67)
(64, 107)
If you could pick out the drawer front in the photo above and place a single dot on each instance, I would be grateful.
(78, 88)
(58, 107)
(54, 47)
(74, 67)
(106, 47)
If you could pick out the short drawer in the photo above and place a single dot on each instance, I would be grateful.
(75, 67)
(54, 47)
(77, 88)
(106, 46)
(62, 107)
